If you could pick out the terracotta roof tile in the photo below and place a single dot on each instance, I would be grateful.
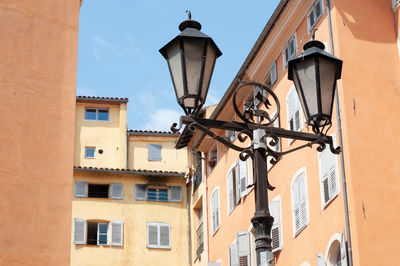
(152, 133)
(101, 99)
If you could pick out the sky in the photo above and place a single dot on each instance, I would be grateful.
(119, 42)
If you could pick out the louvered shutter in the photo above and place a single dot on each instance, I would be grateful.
(215, 211)
(233, 255)
(328, 175)
(243, 243)
(152, 235)
(164, 236)
(140, 191)
(80, 189)
(321, 260)
(303, 199)
(154, 152)
(343, 253)
(117, 233)
(243, 177)
(274, 207)
(296, 205)
(117, 191)
(273, 73)
(176, 193)
(231, 199)
(237, 183)
(79, 231)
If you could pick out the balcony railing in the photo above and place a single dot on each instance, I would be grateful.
(200, 243)
(197, 178)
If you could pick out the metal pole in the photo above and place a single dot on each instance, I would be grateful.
(262, 220)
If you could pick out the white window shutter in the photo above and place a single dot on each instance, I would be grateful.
(117, 233)
(215, 210)
(296, 205)
(154, 152)
(274, 207)
(273, 73)
(117, 191)
(79, 231)
(231, 203)
(165, 236)
(321, 260)
(140, 191)
(343, 253)
(176, 193)
(237, 181)
(243, 178)
(303, 199)
(233, 255)
(80, 189)
(152, 235)
(243, 244)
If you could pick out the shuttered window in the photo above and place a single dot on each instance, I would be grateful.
(233, 255)
(175, 193)
(140, 191)
(80, 189)
(276, 231)
(294, 115)
(329, 177)
(157, 194)
(315, 13)
(243, 177)
(79, 231)
(154, 152)
(243, 244)
(299, 201)
(290, 50)
(215, 211)
(231, 192)
(117, 233)
(117, 191)
(102, 230)
(158, 235)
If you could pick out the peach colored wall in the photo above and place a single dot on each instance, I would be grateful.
(38, 51)
(369, 92)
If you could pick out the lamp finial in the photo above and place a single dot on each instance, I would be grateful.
(312, 35)
(189, 14)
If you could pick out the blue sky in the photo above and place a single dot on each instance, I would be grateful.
(119, 42)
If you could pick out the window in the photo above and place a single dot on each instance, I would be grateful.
(237, 183)
(113, 191)
(145, 192)
(336, 253)
(315, 13)
(299, 201)
(239, 251)
(212, 159)
(329, 177)
(289, 51)
(154, 152)
(158, 235)
(96, 233)
(96, 114)
(294, 116)
(276, 230)
(215, 210)
(271, 76)
(90, 152)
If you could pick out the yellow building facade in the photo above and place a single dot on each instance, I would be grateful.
(129, 202)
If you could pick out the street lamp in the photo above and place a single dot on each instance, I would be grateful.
(314, 73)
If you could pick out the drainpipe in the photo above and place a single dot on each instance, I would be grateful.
(339, 125)
(127, 149)
(188, 183)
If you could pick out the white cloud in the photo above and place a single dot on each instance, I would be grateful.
(162, 120)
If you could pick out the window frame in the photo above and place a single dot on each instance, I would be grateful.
(98, 233)
(278, 223)
(292, 93)
(313, 10)
(94, 152)
(285, 58)
(158, 224)
(97, 113)
(214, 228)
(151, 147)
(233, 173)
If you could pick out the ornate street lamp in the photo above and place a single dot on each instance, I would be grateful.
(314, 73)
(191, 57)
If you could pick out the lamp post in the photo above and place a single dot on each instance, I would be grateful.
(191, 57)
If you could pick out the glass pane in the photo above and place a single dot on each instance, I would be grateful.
(103, 228)
(89, 152)
(175, 66)
(152, 194)
(163, 195)
(90, 114)
(327, 70)
(102, 115)
(306, 78)
(208, 70)
(194, 50)
(102, 239)
(164, 235)
(318, 9)
(153, 235)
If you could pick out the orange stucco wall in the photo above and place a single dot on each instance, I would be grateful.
(38, 48)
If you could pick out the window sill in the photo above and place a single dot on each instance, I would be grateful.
(88, 120)
(157, 247)
(300, 230)
(216, 230)
(325, 205)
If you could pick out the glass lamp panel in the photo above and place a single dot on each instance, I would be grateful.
(208, 70)
(175, 66)
(189, 103)
(306, 78)
(194, 50)
(327, 70)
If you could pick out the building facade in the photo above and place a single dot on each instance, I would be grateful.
(129, 202)
(327, 209)
(39, 48)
